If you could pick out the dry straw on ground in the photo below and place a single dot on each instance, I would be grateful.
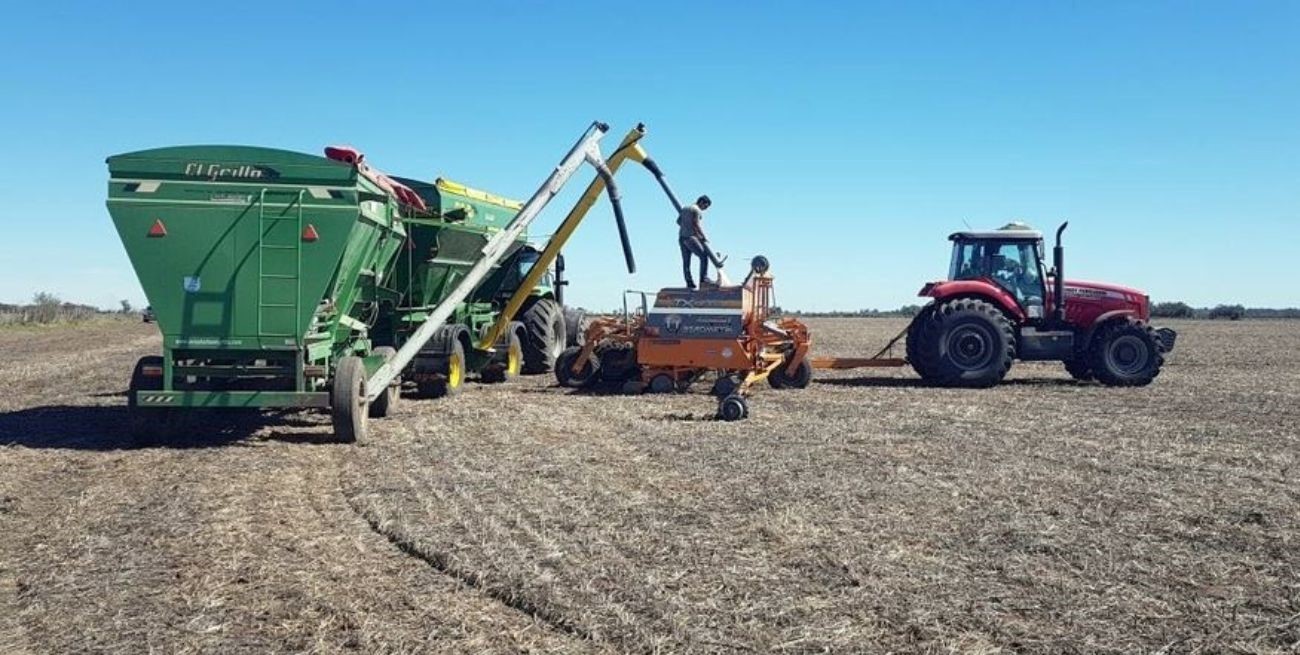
(862, 514)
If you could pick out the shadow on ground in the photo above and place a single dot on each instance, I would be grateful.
(108, 428)
(884, 382)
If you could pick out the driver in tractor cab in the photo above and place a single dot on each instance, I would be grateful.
(691, 239)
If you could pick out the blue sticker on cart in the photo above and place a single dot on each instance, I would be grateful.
(192, 284)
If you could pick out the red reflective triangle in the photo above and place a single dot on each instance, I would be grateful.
(158, 229)
(309, 233)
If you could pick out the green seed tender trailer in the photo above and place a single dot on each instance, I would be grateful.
(281, 279)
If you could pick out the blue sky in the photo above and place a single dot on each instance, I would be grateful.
(843, 140)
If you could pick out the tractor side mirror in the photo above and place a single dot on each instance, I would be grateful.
(559, 263)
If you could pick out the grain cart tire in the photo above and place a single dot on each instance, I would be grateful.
(348, 400)
(148, 425)
(452, 379)
(1079, 369)
(1126, 353)
(544, 336)
(585, 377)
(782, 379)
(913, 343)
(510, 363)
(967, 343)
(733, 408)
(575, 326)
(386, 402)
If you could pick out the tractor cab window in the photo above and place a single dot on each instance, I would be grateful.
(524, 262)
(1013, 265)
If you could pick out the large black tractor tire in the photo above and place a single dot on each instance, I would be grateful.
(575, 326)
(913, 343)
(544, 336)
(966, 343)
(781, 378)
(386, 402)
(452, 378)
(1079, 368)
(585, 377)
(148, 425)
(348, 411)
(1126, 353)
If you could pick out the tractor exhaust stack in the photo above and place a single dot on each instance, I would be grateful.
(1058, 262)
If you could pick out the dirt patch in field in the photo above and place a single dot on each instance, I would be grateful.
(865, 513)
(874, 513)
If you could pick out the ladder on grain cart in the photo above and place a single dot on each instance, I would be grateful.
(586, 150)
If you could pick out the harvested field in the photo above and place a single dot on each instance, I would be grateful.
(864, 514)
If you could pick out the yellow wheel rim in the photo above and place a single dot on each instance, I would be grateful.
(455, 371)
(514, 360)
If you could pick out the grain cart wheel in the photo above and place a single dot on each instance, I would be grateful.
(914, 340)
(1126, 353)
(585, 377)
(544, 336)
(733, 408)
(782, 379)
(386, 402)
(1079, 369)
(452, 377)
(348, 400)
(968, 343)
(148, 425)
(511, 365)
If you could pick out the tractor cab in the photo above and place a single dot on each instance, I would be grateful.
(1010, 258)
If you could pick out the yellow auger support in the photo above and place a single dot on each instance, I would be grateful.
(630, 148)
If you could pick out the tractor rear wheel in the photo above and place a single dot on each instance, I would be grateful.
(967, 343)
(1079, 369)
(348, 400)
(913, 344)
(584, 377)
(1126, 353)
(384, 404)
(781, 378)
(544, 335)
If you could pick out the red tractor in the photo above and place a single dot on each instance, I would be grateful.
(1000, 303)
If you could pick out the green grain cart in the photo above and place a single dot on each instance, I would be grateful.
(281, 279)
(443, 242)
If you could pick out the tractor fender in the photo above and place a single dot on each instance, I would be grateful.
(953, 289)
(445, 338)
(1101, 320)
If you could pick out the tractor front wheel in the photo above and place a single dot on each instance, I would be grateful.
(348, 400)
(1126, 353)
(965, 343)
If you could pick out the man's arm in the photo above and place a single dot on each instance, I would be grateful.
(698, 225)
